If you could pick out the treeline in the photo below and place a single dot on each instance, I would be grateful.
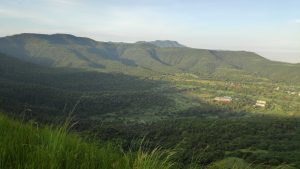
(258, 140)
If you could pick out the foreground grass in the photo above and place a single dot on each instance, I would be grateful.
(26, 146)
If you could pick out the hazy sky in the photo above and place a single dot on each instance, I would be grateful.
(269, 27)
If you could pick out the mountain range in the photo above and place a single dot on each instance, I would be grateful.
(162, 92)
(143, 58)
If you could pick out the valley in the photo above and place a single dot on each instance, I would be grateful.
(163, 93)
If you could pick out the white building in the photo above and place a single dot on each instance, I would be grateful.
(224, 99)
(260, 103)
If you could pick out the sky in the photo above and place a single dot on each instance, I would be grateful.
(269, 27)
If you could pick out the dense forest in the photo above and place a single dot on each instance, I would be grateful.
(143, 59)
(154, 95)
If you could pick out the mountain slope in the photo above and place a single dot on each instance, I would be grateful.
(61, 50)
(164, 43)
(49, 91)
(142, 58)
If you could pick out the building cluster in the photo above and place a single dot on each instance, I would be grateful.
(289, 92)
(224, 99)
(260, 103)
(228, 99)
(293, 93)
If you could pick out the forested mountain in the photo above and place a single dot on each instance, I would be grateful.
(47, 91)
(164, 94)
(142, 58)
(164, 43)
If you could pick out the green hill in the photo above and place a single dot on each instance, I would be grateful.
(168, 102)
(146, 58)
(49, 91)
(29, 146)
(164, 43)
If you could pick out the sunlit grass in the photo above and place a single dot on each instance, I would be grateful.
(26, 146)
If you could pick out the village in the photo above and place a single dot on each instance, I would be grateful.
(228, 100)
(259, 103)
(256, 96)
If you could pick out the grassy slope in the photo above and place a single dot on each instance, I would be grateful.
(26, 146)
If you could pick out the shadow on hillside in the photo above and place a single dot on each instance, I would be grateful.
(44, 93)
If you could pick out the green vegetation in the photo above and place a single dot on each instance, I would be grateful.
(50, 91)
(164, 43)
(231, 163)
(270, 141)
(143, 59)
(27, 146)
(158, 92)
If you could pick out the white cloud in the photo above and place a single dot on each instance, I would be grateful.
(25, 14)
(65, 3)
